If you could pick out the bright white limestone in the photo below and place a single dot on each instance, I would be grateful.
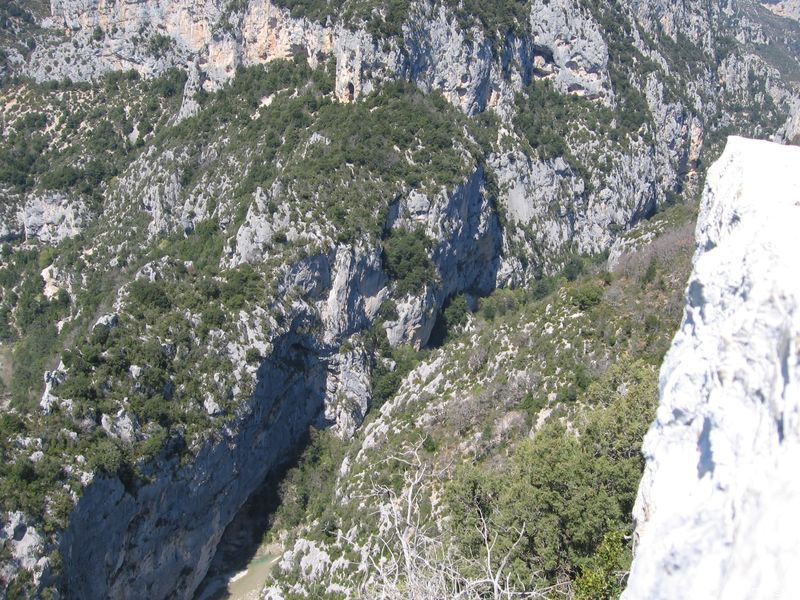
(717, 511)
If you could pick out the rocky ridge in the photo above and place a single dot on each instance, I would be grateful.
(219, 37)
(714, 508)
(787, 8)
(562, 45)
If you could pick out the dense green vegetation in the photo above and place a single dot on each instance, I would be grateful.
(554, 123)
(548, 118)
(156, 336)
(143, 361)
(562, 491)
(29, 321)
(59, 147)
(406, 261)
(569, 491)
(398, 137)
(625, 61)
(387, 376)
(453, 317)
(321, 153)
(305, 489)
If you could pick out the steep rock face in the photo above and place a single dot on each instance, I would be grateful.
(467, 254)
(716, 503)
(156, 535)
(785, 8)
(154, 35)
(157, 540)
(571, 39)
(48, 217)
(129, 542)
(563, 43)
(357, 289)
(693, 19)
(434, 52)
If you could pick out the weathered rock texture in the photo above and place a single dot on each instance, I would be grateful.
(716, 507)
(785, 8)
(108, 547)
(435, 54)
(49, 217)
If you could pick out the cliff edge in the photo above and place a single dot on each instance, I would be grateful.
(716, 510)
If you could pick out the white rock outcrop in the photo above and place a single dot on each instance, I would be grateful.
(48, 217)
(784, 8)
(573, 38)
(716, 511)
(213, 38)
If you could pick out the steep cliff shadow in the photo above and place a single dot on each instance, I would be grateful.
(242, 539)
(302, 368)
(467, 261)
(157, 540)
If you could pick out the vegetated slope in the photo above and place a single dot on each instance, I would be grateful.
(189, 333)
(510, 455)
(207, 261)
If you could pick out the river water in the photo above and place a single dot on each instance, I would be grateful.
(245, 584)
(243, 560)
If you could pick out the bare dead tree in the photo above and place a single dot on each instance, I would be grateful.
(413, 560)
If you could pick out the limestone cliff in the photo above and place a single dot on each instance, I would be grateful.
(49, 217)
(715, 509)
(248, 166)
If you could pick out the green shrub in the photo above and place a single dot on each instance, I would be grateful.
(158, 45)
(213, 317)
(501, 301)
(62, 177)
(307, 489)
(202, 246)
(599, 579)
(573, 269)
(650, 274)
(405, 257)
(386, 380)
(453, 316)
(106, 457)
(541, 288)
(587, 295)
(170, 83)
(149, 295)
(564, 491)
(32, 353)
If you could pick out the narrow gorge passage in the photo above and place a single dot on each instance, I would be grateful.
(243, 559)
